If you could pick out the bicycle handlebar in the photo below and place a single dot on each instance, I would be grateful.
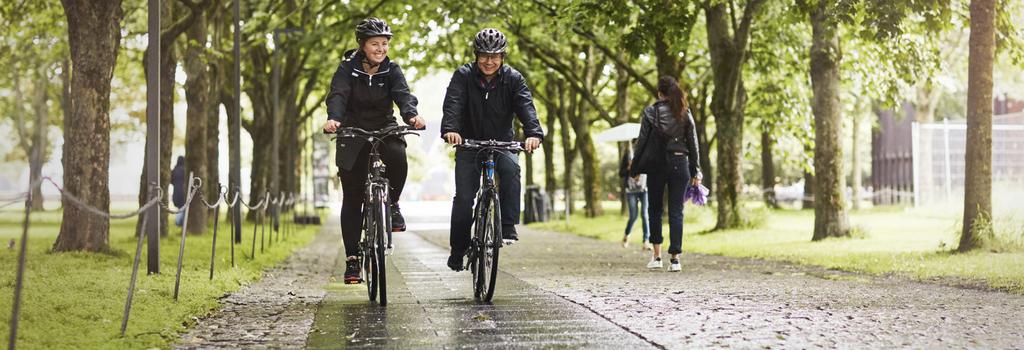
(398, 130)
(513, 146)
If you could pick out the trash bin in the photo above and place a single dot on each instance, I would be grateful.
(538, 205)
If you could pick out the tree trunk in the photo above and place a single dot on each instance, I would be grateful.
(830, 217)
(568, 150)
(698, 105)
(168, 67)
(585, 145)
(855, 172)
(591, 169)
(978, 172)
(197, 88)
(94, 34)
(808, 201)
(728, 50)
(211, 186)
(622, 116)
(257, 88)
(550, 182)
(38, 153)
(768, 165)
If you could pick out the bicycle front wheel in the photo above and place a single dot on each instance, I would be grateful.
(381, 242)
(490, 243)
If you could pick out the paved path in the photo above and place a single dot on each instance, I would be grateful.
(429, 306)
(277, 311)
(564, 291)
(746, 303)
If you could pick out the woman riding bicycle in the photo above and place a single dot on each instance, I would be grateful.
(363, 92)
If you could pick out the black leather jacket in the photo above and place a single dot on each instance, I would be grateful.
(680, 138)
(482, 110)
(364, 101)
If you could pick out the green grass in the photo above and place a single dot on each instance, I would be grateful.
(915, 243)
(75, 300)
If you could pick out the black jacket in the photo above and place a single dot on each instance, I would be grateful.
(679, 137)
(481, 110)
(364, 101)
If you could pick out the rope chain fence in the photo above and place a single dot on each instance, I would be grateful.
(156, 199)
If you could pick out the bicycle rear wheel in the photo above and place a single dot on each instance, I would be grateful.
(491, 240)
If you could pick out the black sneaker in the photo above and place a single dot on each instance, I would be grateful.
(508, 234)
(397, 220)
(455, 261)
(352, 272)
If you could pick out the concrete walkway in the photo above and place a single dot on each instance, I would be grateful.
(564, 291)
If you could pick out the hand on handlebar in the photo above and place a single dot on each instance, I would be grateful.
(531, 144)
(417, 123)
(453, 138)
(331, 126)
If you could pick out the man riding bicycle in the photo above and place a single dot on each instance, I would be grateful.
(479, 105)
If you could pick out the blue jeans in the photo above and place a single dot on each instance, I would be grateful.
(179, 218)
(634, 200)
(675, 177)
(467, 182)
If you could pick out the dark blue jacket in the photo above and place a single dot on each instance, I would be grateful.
(482, 110)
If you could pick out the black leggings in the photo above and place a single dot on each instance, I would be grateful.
(353, 187)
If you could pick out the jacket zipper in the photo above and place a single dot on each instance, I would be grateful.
(370, 77)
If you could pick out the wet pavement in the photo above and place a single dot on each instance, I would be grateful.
(564, 291)
(429, 306)
(719, 302)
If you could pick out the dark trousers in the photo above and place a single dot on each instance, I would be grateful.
(353, 187)
(467, 182)
(672, 180)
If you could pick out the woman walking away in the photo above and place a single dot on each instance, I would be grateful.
(667, 152)
(364, 91)
(635, 192)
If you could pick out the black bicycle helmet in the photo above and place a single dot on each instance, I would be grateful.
(490, 40)
(371, 27)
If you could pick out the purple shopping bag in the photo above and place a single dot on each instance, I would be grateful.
(697, 194)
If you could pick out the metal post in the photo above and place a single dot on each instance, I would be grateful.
(184, 228)
(135, 273)
(16, 307)
(231, 238)
(213, 253)
(234, 152)
(255, 224)
(262, 214)
(275, 139)
(152, 229)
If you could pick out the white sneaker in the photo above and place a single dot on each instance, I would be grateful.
(655, 263)
(675, 266)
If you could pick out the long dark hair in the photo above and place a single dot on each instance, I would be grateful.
(668, 87)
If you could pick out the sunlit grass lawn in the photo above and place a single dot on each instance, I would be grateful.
(889, 240)
(75, 300)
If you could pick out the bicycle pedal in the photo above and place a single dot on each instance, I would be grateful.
(508, 242)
